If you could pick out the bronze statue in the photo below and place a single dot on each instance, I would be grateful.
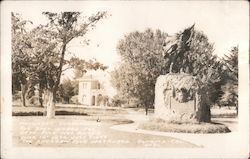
(177, 45)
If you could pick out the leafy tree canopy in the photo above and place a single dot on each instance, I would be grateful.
(142, 64)
(230, 78)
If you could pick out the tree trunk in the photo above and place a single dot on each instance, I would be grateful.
(23, 94)
(67, 100)
(237, 109)
(41, 97)
(52, 92)
(146, 109)
(50, 104)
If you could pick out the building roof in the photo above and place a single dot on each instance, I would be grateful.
(93, 75)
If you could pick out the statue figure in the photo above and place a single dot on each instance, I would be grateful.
(177, 45)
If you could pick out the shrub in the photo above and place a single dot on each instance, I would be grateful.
(16, 96)
(74, 100)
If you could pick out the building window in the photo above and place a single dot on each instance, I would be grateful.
(98, 86)
(84, 99)
(84, 85)
(93, 101)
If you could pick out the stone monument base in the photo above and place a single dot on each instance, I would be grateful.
(180, 97)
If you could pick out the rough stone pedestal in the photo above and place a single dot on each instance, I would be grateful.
(180, 97)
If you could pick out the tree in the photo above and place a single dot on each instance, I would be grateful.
(230, 87)
(231, 63)
(29, 57)
(20, 45)
(66, 90)
(141, 64)
(62, 29)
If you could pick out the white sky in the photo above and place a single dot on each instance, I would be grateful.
(224, 22)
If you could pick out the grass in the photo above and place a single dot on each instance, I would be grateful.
(84, 131)
(165, 126)
(223, 112)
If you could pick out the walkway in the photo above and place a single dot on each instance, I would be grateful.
(226, 140)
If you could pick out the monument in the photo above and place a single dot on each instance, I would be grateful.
(179, 96)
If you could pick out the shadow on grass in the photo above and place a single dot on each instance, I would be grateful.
(232, 115)
(39, 113)
(27, 113)
(121, 121)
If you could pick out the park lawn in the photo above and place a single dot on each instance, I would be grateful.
(165, 126)
(224, 115)
(223, 112)
(84, 131)
(78, 126)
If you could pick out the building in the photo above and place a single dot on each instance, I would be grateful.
(93, 88)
